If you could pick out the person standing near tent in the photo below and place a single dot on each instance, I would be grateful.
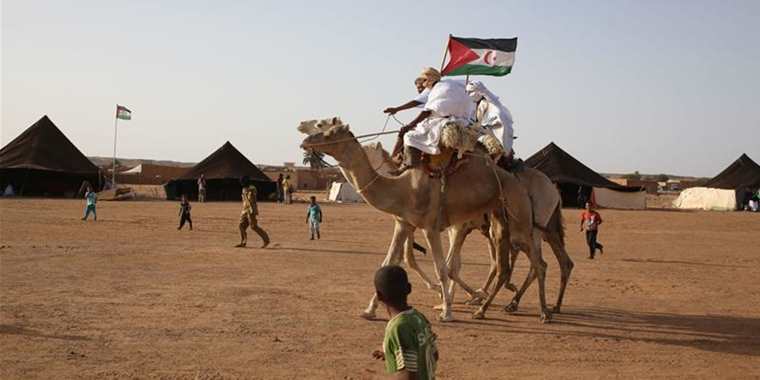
(590, 221)
(202, 189)
(314, 217)
(280, 194)
(248, 217)
(287, 190)
(91, 199)
(184, 213)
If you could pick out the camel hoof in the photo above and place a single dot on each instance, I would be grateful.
(438, 307)
(556, 310)
(480, 314)
(512, 307)
(546, 317)
(474, 301)
(511, 287)
(367, 315)
(445, 317)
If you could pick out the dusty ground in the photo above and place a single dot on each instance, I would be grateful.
(675, 295)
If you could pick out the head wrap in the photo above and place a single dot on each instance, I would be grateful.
(431, 76)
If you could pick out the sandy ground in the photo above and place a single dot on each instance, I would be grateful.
(676, 294)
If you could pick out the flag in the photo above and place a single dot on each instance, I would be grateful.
(123, 113)
(476, 56)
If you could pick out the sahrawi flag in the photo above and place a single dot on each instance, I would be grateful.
(476, 56)
(123, 113)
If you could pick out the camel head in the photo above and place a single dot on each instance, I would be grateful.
(328, 136)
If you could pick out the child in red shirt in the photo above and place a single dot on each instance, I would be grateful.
(590, 221)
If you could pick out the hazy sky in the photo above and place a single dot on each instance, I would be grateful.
(654, 86)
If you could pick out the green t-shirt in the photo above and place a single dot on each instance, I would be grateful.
(410, 344)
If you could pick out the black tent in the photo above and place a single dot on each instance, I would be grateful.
(223, 171)
(740, 174)
(574, 179)
(42, 161)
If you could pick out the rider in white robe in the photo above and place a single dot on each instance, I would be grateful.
(493, 116)
(447, 101)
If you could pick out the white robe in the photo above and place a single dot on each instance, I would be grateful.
(496, 120)
(447, 101)
(422, 98)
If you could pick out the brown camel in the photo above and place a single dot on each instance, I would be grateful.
(540, 188)
(415, 199)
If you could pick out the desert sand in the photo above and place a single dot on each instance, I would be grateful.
(676, 294)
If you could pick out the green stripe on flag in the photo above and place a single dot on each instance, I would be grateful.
(497, 71)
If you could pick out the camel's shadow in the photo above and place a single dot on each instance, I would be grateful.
(717, 333)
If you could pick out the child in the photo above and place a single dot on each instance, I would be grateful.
(409, 347)
(590, 220)
(314, 217)
(92, 199)
(184, 213)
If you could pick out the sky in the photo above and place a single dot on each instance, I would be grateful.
(649, 86)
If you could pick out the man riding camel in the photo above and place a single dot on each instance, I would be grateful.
(446, 102)
(495, 120)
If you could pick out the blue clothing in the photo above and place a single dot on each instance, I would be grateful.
(92, 198)
(314, 213)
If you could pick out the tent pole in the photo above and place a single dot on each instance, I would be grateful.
(113, 167)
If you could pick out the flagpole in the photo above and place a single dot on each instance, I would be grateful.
(445, 53)
(113, 167)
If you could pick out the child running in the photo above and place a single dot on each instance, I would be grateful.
(92, 200)
(590, 221)
(409, 347)
(184, 213)
(314, 217)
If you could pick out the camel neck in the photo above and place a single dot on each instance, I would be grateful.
(374, 187)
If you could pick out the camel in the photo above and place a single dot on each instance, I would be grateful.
(539, 187)
(417, 200)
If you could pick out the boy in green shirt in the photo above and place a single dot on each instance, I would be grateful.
(409, 347)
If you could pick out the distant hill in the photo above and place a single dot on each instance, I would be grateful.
(104, 162)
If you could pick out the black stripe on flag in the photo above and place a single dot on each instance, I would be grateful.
(503, 44)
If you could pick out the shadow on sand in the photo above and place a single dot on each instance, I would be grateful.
(716, 333)
(18, 330)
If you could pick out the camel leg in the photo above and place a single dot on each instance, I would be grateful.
(433, 237)
(515, 303)
(411, 262)
(493, 269)
(565, 266)
(457, 235)
(400, 234)
(501, 236)
(538, 265)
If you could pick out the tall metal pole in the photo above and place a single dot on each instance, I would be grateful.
(113, 167)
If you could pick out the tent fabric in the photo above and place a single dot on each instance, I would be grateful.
(561, 167)
(703, 198)
(42, 161)
(44, 147)
(574, 180)
(223, 170)
(343, 192)
(150, 174)
(225, 162)
(741, 173)
(625, 200)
